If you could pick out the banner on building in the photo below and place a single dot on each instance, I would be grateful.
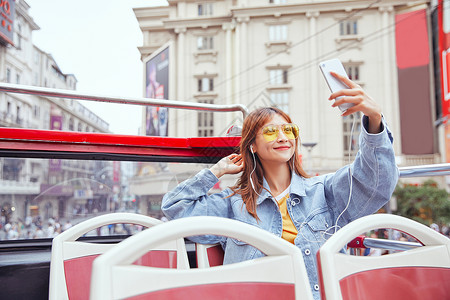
(157, 87)
(7, 14)
(444, 60)
(116, 171)
(444, 50)
(413, 65)
(55, 165)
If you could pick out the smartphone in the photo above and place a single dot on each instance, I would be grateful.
(335, 84)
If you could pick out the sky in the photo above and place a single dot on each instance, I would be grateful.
(97, 41)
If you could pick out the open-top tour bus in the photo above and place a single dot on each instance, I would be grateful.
(81, 205)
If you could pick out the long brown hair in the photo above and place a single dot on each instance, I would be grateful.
(250, 129)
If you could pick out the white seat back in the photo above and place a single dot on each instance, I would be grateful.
(282, 272)
(420, 273)
(71, 260)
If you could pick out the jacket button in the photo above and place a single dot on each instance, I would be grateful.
(316, 287)
(307, 252)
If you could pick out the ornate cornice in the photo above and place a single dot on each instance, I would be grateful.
(316, 7)
(202, 22)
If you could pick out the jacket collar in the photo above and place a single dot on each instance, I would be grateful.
(297, 187)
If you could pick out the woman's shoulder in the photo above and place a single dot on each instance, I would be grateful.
(316, 179)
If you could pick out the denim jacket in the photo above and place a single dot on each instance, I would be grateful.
(314, 206)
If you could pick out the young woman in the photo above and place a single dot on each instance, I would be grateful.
(275, 193)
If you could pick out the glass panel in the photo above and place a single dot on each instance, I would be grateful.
(205, 84)
(40, 198)
(200, 43)
(283, 35)
(272, 33)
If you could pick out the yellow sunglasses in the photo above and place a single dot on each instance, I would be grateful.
(270, 132)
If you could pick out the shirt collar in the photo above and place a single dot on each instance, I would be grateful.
(297, 187)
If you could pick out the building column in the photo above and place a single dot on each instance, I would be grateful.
(315, 103)
(2, 63)
(2, 70)
(180, 129)
(241, 59)
(228, 28)
(390, 102)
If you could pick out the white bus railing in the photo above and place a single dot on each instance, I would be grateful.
(70, 94)
(425, 170)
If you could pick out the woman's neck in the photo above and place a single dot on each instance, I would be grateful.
(278, 176)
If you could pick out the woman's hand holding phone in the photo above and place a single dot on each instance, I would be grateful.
(360, 102)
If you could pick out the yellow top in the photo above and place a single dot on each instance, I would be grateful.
(289, 230)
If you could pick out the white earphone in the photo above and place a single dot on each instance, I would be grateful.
(251, 149)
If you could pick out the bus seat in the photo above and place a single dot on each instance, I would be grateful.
(419, 273)
(281, 274)
(209, 255)
(71, 260)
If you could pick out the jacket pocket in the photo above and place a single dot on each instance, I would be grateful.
(320, 226)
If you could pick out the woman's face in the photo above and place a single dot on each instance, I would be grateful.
(279, 150)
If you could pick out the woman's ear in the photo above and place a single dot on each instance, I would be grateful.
(251, 149)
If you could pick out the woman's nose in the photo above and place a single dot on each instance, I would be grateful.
(281, 135)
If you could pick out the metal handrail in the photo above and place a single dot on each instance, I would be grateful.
(390, 244)
(69, 94)
(425, 170)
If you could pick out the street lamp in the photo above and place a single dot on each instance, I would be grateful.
(309, 147)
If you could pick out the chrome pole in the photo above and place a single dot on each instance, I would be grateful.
(70, 94)
(425, 170)
(390, 244)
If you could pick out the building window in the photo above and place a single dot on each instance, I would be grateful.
(280, 100)
(205, 84)
(71, 126)
(348, 27)
(205, 43)
(278, 76)
(205, 9)
(36, 57)
(351, 139)
(8, 75)
(205, 121)
(19, 119)
(352, 71)
(12, 168)
(17, 78)
(19, 37)
(278, 32)
(36, 111)
(277, 1)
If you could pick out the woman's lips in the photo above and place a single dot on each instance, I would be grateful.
(282, 148)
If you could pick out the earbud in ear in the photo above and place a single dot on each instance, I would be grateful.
(251, 149)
